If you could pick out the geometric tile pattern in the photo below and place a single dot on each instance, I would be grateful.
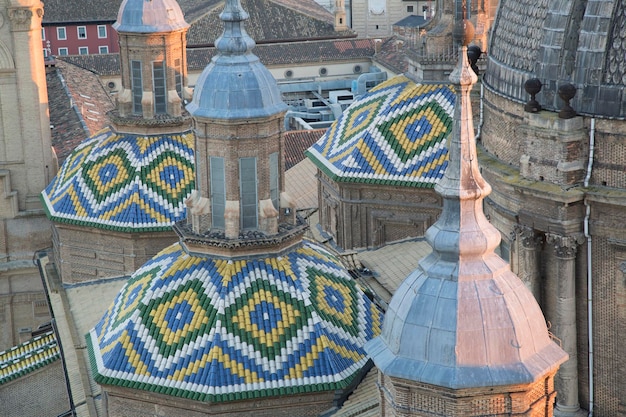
(395, 134)
(28, 356)
(219, 330)
(124, 182)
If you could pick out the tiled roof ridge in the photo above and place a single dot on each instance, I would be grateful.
(28, 356)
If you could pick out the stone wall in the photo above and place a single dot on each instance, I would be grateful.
(87, 254)
(124, 402)
(42, 392)
(527, 205)
(403, 398)
(369, 216)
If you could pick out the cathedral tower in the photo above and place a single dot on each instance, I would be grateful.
(462, 335)
(244, 316)
(26, 157)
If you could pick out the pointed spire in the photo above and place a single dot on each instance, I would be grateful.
(463, 187)
(462, 319)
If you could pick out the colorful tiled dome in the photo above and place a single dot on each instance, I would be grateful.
(218, 330)
(124, 182)
(395, 134)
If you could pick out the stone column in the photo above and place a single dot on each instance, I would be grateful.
(563, 274)
(529, 245)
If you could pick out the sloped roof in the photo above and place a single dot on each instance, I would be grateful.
(69, 11)
(219, 330)
(28, 356)
(395, 134)
(296, 142)
(78, 105)
(270, 21)
(284, 53)
(124, 182)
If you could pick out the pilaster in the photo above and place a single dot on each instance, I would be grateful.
(561, 301)
(529, 244)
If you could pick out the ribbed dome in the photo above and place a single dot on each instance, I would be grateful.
(219, 330)
(148, 16)
(124, 182)
(235, 85)
(445, 331)
(560, 43)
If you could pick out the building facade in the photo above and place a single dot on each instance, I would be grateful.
(558, 179)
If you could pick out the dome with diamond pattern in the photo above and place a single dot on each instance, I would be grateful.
(124, 182)
(217, 330)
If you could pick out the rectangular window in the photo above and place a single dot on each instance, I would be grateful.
(82, 32)
(136, 85)
(103, 49)
(248, 193)
(178, 78)
(62, 51)
(160, 93)
(409, 9)
(45, 53)
(43, 34)
(83, 50)
(274, 187)
(61, 35)
(102, 31)
(218, 192)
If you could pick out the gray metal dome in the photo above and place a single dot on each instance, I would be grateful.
(583, 43)
(149, 16)
(235, 84)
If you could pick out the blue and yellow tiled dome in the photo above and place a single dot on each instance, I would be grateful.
(395, 134)
(124, 182)
(219, 330)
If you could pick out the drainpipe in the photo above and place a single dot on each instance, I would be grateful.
(589, 268)
(480, 120)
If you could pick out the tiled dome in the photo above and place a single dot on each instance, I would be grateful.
(395, 134)
(218, 330)
(124, 182)
(147, 16)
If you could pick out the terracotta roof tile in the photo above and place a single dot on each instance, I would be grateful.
(75, 11)
(271, 21)
(297, 141)
(283, 53)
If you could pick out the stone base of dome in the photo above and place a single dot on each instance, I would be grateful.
(125, 401)
(248, 243)
(400, 397)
